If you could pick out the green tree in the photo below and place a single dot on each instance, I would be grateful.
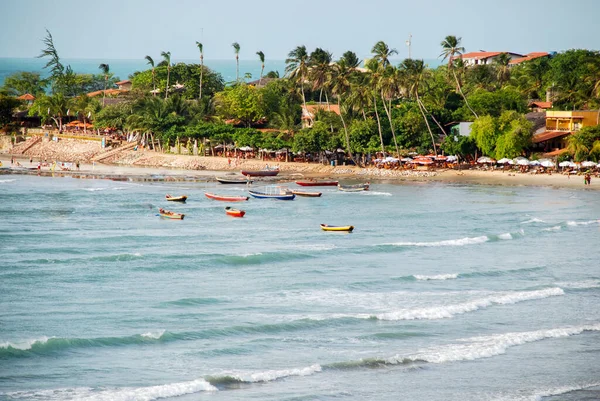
(241, 102)
(150, 62)
(585, 144)
(236, 49)
(382, 53)
(450, 49)
(502, 64)
(485, 133)
(297, 69)
(261, 57)
(515, 135)
(7, 105)
(201, 50)
(23, 82)
(167, 59)
(51, 107)
(105, 68)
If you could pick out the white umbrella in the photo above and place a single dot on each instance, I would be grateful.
(452, 158)
(504, 160)
(406, 159)
(522, 162)
(565, 164)
(245, 148)
(547, 163)
(598, 165)
(588, 164)
(520, 158)
(534, 163)
(485, 159)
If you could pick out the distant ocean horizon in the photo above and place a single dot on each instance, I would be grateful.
(124, 68)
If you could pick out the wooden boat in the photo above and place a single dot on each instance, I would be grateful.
(234, 212)
(354, 188)
(171, 198)
(308, 194)
(315, 183)
(327, 227)
(268, 172)
(273, 192)
(170, 215)
(226, 198)
(237, 180)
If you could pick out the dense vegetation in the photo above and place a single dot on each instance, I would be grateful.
(394, 109)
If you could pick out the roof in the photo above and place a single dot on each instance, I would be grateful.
(483, 55)
(530, 56)
(314, 108)
(123, 82)
(109, 92)
(557, 152)
(27, 96)
(264, 81)
(541, 105)
(547, 135)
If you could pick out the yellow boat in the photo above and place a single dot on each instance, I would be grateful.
(181, 198)
(327, 227)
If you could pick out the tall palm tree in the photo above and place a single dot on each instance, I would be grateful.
(319, 65)
(167, 57)
(201, 49)
(375, 71)
(297, 68)
(389, 88)
(261, 57)
(236, 49)
(150, 61)
(382, 53)
(450, 49)
(105, 68)
(502, 63)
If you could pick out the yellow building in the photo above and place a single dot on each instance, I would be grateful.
(559, 125)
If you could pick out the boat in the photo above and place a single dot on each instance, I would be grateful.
(354, 188)
(237, 180)
(273, 192)
(327, 227)
(170, 215)
(307, 194)
(315, 183)
(226, 198)
(234, 212)
(266, 172)
(171, 198)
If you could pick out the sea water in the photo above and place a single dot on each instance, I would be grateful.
(442, 292)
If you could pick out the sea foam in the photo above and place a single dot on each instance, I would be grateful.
(451, 242)
(436, 277)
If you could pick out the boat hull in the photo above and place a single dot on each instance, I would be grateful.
(353, 188)
(262, 195)
(233, 181)
(260, 173)
(317, 183)
(182, 198)
(225, 198)
(326, 227)
(307, 194)
(234, 212)
(170, 215)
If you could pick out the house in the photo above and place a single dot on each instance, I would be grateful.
(124, 85)
(261, 83)
(483, 57)
(308, 113)
(559, 126)
(528, 57)
(538, 106)
(28, 97)
(108, 92)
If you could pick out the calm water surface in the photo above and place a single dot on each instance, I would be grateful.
(442, 292)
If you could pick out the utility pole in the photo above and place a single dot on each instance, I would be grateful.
(408, 43)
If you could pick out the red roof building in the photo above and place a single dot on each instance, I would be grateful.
(483, 57)
(528, 57)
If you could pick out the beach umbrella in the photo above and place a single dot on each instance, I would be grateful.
(452, 158)
(598, 165)
(245, 148)
(485, 159)
(547, 163)
(406, 159)
(534, 163)
(504, 160)
(522, 162)
(588, 164)
(341, 150)
(565, 164)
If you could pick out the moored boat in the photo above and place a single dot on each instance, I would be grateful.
(267, 172)
(327, 227)
(273, 192)
(315, 183)
(170, 215)
(171, 198)
(234, 212)
(354, 188)
(236, 180)
(226, 198)
(306, 193)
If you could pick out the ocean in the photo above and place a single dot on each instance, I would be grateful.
(442, 292)
(124, 68)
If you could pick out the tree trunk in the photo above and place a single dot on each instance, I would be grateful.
(168, 76)
(427, 123)
(346, 133)
(379, 125)
(304, 101)
(237, 68)
(104, 93)
(201, 71)
(462, 94)
(433, 117)
(389, 115)
(153, 83)
(262, 69)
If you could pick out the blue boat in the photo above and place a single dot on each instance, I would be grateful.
(273, 192)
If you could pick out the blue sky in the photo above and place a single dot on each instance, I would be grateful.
(130, 29)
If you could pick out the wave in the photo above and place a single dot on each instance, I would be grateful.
(534, 220)
(259, 257)
(6, 181)
(118, 394)
(191, 302)
(553, 228)
(449, 311)
(452, 276)
(229, 379)
(541, 394)
(582, 223)
(121, 257)
(460, 241)
(436, 277)
(375, 193)
(580, 285)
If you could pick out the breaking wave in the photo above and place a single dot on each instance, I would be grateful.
(436, 277)
(461, 241)
(534, 220)
(228, 379)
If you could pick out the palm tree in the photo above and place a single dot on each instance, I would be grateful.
(236, 49)
(105, 68)
(374, 75)
(167, 57)
(297, 68)
(450, 49)
(502, 68)
(382, 53)
(319, 62)
(201, 49)
(261, 57)
(389, 88)
(150, 61)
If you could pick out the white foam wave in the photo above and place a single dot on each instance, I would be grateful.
(488, 346)
(247, 255)
(449, 311)
(582, 223)
(541, 394)
(436, 277)
(505, 236)
(24, 344)
(154, 335)
(270, 375)
(5, 181)
(534, 220)
(555, 228)
(451, 242)
(375, 193)
(95, 189)
(118, 394)
(137, 254)
(580, 285)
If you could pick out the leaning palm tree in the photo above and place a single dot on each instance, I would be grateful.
(201, 49)
(375, 71)
(167, 57)
(105, 68)
(389, 88)
(236, 49)
(261, 57)
(450, 49)
(297, 68)
(382, 53)
(150, 61)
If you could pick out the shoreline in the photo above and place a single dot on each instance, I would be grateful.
(171, 168)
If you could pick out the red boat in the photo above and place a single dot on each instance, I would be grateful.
(225, 198)
(261, 173)
(234, 212)
(315, 183)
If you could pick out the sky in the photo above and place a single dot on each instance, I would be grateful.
(131, 29)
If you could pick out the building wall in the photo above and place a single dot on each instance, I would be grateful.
(570, 120)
